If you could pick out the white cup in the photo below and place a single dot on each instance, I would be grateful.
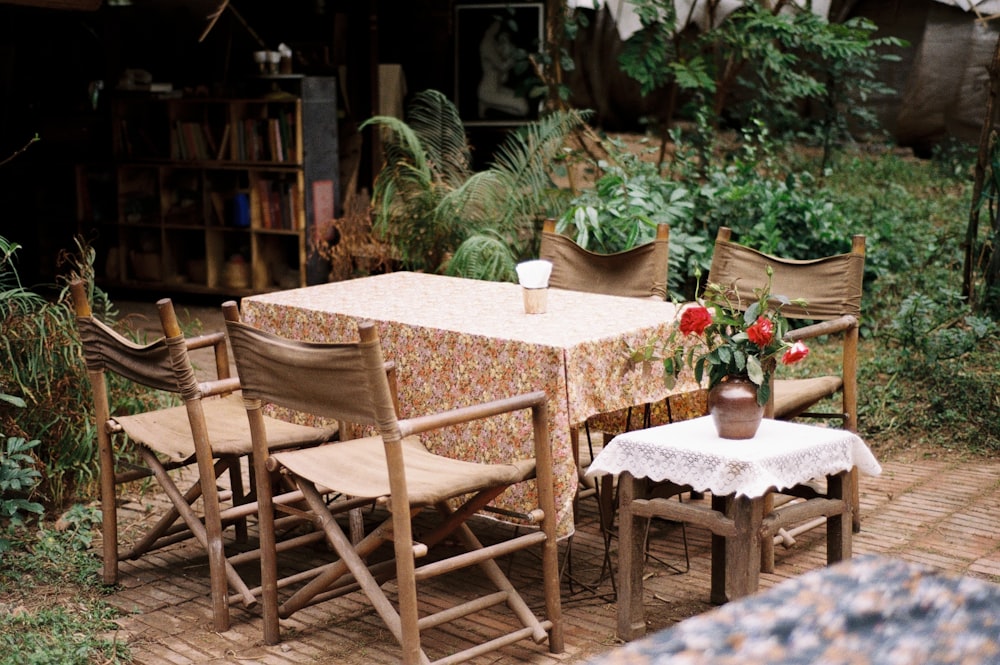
(534, 279)
(535, 300)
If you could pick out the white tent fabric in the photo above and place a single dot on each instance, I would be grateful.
(981, 7)
(688, 11)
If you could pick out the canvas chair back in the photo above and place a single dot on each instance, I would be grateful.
(640, 272)
(105, 350)
(831, 286)
(343, 382)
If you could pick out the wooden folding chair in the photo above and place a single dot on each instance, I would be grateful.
(348, 382)
(208, 433)
(832, 289)
(640, 272)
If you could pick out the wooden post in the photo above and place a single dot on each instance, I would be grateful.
(982, 158)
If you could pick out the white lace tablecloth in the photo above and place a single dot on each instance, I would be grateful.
(781, 455)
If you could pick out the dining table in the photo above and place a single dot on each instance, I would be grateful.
(740, 475)
(457, 341)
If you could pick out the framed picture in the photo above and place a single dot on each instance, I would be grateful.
(492, 74)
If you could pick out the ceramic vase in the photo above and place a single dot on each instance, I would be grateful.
(733, 406)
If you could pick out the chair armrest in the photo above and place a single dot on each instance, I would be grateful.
(208, 339)
(219, 386)
(839, 324)
(219, 342)
(464, 414)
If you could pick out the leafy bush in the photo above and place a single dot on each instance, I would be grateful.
(18, 478)
(926, 333)
(758, 63)
(42, 365)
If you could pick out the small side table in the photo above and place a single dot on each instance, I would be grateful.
(740, 475)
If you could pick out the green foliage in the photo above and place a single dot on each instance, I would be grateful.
(760, 63)
(18, 478)
(982, 262)
(625, 205)
(51, 611)
(431, 205)
(41, 364)
(59, 635)
(925, 333)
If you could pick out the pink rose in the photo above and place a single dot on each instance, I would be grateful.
(798, 351)
(695, 319)
(761, 332)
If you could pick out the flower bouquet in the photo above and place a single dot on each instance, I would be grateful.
(726, 337)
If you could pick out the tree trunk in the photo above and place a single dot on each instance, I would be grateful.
(986, 140)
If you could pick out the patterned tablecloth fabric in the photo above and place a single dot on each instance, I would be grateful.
(459, 341)
(781, 455)
(871, 610)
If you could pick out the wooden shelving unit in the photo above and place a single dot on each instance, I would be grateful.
(214, 195)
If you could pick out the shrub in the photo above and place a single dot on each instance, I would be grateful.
(42, 365)
(18, 478)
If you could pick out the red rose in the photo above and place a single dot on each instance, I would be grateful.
(798, 351)
(695, 319)
(761, 332)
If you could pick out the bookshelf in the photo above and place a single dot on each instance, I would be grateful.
(214, 195)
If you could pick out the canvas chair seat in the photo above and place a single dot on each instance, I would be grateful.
(793, 396)
(168, 431)
(358, 468)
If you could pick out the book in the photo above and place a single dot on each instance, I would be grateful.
(211, 148)
(223, 143)
(274, 140)
(218, 207)
(265, 204)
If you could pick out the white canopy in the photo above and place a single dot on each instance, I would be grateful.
(688, 11)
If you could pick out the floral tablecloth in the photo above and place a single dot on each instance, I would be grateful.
(781, 455)
(458, 341)
(871, 610)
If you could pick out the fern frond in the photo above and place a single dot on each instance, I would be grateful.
(486, 256)
(526, 156)
(404, 146)
(435, 120)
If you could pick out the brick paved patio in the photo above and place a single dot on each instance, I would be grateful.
(932, 511)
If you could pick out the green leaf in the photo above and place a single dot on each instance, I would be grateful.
(12, 399)
(754, 370)
(763, 393)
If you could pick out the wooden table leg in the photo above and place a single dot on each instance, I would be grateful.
(718, 596)
(839, 528)
(631, 613)
(743, 549)
(767, 542)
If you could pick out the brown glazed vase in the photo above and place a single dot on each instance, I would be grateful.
(734, 408)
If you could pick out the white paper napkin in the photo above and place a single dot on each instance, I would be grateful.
(534, 274)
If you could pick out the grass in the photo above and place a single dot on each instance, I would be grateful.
(52, 607)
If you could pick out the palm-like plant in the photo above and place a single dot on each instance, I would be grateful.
(441, 215)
